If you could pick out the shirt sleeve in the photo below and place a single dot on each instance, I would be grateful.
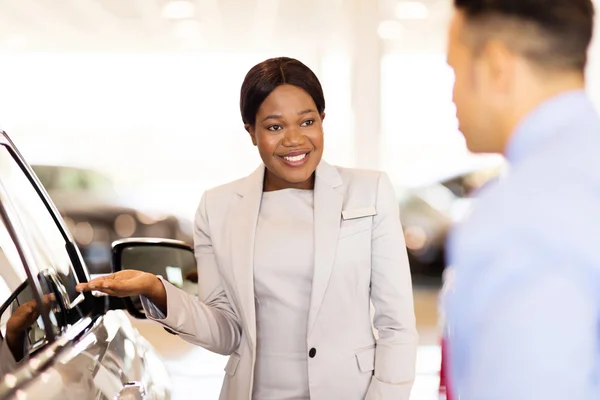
(533, 335)
(152, 311)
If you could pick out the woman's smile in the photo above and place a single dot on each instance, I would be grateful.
(295, 159)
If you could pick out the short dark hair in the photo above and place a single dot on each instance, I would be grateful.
(552, 34)
(265, 77)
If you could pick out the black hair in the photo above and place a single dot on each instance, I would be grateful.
(559, 32)
(265, 77)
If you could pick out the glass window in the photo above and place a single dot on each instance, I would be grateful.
(420, 137)
(421, 142)
(21, 327)
(48, 248)
(335, 76)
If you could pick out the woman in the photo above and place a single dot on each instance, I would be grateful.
(290, 259)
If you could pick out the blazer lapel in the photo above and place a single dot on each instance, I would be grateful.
(242, 229)
(328, 199)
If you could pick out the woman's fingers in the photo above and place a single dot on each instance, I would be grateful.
(112, 287)
(124, 283)
(82, 287)
(110, 292)
(85, 287)
(88, 287)
(94, 284)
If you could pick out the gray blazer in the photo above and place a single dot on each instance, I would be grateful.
(360, 261)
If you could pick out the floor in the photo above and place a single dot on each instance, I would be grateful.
(195, 370)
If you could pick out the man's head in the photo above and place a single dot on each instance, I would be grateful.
(510, 55)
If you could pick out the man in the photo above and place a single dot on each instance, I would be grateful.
(524, 310)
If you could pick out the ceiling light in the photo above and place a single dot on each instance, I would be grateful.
(412, 10)
(390, 30)
(178, 9)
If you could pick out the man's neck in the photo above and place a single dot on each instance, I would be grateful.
(532, 96)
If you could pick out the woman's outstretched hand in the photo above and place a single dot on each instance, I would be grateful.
(129, 283)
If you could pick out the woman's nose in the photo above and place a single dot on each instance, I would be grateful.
(292, 137)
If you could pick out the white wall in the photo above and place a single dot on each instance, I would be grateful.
(167, 122)
(171, 121)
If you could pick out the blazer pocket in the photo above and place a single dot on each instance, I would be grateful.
(232, 364)
(366, 359)
(354, 227)
(356, 220)
(356, 213)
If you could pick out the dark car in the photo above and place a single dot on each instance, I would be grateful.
(97, 215)
(56, 343)
(427, 212)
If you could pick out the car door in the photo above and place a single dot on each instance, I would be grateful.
(66, 347)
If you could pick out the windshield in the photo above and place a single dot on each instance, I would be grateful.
(43, 237)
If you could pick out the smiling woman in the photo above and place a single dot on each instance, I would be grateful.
(290, 260)
(283, 108)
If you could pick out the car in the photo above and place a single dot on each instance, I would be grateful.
(445, 389)
(428, 211)
(97, 214)
(57, 343)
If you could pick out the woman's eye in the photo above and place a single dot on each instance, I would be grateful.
(308, 122)
(274, 128)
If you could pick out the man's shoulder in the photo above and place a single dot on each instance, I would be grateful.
(534, 203)
(499, 209)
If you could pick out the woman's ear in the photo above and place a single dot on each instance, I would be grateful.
(250, 129)
(322, 116)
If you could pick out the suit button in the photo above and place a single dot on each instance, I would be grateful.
(312, 353)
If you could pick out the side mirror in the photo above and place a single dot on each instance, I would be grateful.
(172, 260)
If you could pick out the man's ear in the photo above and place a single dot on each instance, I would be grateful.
(499, 64)
(250, 129)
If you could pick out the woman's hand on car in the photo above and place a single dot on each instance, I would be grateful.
(129, 283)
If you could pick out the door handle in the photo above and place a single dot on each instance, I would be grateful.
(132, 391)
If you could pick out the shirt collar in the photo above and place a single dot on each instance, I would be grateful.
(548, 119)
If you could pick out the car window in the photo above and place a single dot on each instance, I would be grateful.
(52, 263)
(21, 327)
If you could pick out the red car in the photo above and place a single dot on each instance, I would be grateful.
(445, 389)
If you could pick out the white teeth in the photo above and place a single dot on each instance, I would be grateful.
(295, 158)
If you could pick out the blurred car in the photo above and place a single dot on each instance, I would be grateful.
(57, 343)
(445, 386)
(97, 215)
(427, 212)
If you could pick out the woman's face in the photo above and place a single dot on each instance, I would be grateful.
(289, 135)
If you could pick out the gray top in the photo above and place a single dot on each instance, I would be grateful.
(283, 273)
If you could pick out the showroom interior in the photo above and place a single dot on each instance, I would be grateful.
(128, 110)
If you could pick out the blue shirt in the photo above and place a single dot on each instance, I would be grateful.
(523, 311)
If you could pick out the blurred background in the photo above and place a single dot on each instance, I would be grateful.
(128, 110)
